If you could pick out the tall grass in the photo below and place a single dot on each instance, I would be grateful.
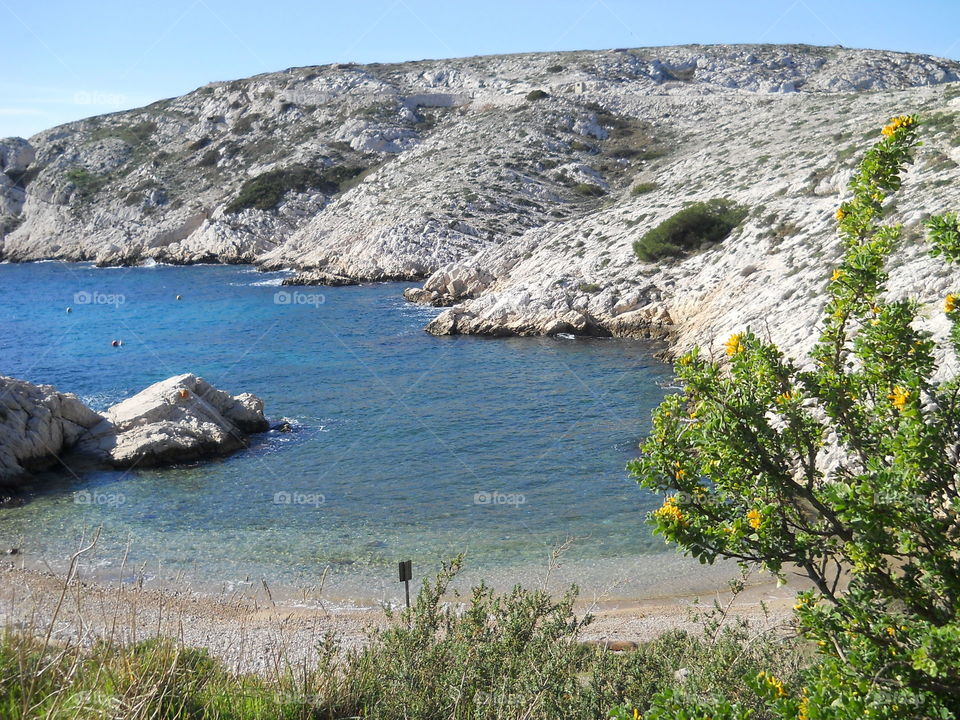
(499, 657)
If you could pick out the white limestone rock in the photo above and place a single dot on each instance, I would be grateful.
(38, 424)
(180, 419)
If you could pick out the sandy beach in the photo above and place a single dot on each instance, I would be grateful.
(255, 630)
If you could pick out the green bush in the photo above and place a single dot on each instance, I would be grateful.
(535, 95)
(265, 191)
(643, 188)
(210, 158)
(588, 190)
(88, 184)
(245, 124)
(693, 227)
(744, 451)
(133, 135)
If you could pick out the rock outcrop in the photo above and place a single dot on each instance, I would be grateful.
(38, 424)
(181, 419)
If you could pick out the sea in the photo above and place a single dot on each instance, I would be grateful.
(401, 445)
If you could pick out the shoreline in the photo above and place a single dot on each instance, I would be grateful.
(257, 630)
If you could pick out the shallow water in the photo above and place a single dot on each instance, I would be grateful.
(405, 445)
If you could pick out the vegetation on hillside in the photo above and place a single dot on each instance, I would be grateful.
(87, 184)
(696, 226)
(264, 192)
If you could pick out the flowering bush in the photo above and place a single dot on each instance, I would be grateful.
(844, 468)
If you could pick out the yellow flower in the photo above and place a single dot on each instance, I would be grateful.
(755, 518)
(636, 714)
(899, 397)
(891, 632)
(773, 682)
(735, 344)
(670, 512)
(784, 398)
(841, 214)
(901, 121)
(802, 601)
(837, 274)
(802, 713)
(951, 303)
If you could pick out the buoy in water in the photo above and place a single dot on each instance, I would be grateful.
(69, 309)
(179, 297)
(117, 343)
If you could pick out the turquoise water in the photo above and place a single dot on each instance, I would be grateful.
(405, 445)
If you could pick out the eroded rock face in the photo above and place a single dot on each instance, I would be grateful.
(179, 419)
(37, 425)
(319, 277)
(16, 154)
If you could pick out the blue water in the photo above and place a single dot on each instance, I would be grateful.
(398, 434)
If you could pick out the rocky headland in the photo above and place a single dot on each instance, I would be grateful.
(180, 419)
(511, 188)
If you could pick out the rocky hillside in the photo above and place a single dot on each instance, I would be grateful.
(514, 186)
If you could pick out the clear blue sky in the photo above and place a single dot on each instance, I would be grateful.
(66, 60)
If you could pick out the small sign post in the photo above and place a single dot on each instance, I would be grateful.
(406, 575)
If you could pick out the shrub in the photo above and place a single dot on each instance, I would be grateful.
(88, 184)
(199, 144)
(210, 158)
(555, 69)
(643, 188)
(245, 124)
(588, 190)
(745, 452)
(133, 135)
(693, 227)
(535, 95)
(265, 191)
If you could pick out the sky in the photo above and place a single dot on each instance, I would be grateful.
(63, 61)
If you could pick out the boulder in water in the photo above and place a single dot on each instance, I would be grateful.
(180, 419)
